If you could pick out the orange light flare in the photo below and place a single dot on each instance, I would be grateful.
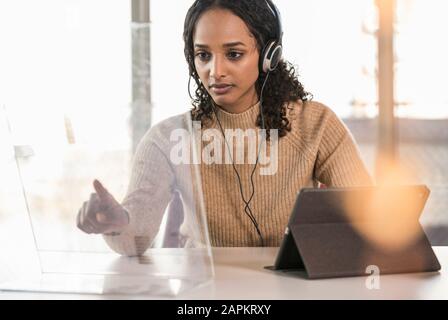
(389, 216)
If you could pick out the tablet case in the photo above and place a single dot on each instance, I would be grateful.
(321, 240)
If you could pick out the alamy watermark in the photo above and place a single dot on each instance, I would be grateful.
(373, 280)
(239, 147)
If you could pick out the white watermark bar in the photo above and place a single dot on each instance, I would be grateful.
(238, 147)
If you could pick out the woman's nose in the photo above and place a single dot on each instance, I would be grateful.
(217, 70)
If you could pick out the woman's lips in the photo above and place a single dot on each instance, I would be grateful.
(222, 89)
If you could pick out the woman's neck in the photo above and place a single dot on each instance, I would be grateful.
(238, 110)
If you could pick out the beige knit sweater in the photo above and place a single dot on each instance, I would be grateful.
(319, 148)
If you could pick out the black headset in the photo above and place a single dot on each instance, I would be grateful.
(272, 52)
(270, 57)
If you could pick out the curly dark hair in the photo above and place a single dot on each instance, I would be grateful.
(282, 86)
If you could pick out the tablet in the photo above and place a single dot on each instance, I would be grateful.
(338, 232)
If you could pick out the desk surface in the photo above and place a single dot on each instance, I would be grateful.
(239, 274)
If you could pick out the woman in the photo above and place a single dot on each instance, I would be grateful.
(233, 50)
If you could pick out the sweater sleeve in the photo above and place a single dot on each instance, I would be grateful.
(339, 163)
(149, 192)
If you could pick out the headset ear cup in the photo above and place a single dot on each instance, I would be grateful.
(271, 57)
(276, 57)
(264, 60)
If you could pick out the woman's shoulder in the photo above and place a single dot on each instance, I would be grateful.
(166, 126)
(311, 123)
(162, 132)
(309, 115)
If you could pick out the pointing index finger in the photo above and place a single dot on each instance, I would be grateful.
(102, 192)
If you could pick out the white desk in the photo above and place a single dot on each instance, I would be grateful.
(240, 275)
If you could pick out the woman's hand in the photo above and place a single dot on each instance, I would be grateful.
(102, 214)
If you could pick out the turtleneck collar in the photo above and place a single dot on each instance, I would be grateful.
(244, 120)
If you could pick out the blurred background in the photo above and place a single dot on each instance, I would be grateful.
(81, 81)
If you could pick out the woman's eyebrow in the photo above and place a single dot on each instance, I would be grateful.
(226, 45)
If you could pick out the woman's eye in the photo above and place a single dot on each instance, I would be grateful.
(203, 56)
(233, 55)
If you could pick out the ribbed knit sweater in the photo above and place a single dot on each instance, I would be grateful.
(318, 149)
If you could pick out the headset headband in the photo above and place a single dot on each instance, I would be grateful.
(276, 13)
